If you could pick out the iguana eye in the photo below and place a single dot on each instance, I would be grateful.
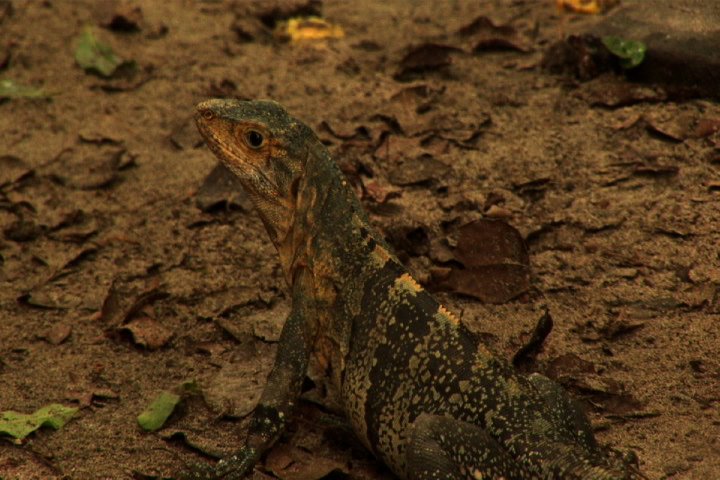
(254, 139)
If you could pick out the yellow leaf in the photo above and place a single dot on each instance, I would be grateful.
(309, 28)
(592, 7)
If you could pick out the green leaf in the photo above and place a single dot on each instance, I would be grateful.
(10, 89)
(97, 57)
(158, 411)
(20, 425)
(630, 52)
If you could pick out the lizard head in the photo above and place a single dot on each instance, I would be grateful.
(265, 148)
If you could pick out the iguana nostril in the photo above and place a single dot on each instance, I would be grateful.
(207, 114)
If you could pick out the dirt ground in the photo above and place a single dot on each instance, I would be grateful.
(121, 275)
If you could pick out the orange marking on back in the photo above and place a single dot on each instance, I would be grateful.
(380, 256)
(407, 282)
(447, 315)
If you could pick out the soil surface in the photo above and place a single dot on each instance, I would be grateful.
(126, 271)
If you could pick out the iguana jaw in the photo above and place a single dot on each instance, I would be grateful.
(222, 123)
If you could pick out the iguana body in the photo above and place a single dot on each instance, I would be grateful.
(421, 392)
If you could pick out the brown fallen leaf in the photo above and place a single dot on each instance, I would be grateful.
(495, 262)
(378, 192)
(292, 463)
(675, 129)
(86, 396)
(620, 326)
(426, 57)
(489, 242)
(569, 364)
(603, 392)
(394, 149)
(122, 301)
(121, 16)
(185, 135)
(267, 324)
(655, 170)
(222, 190)
(581, 56)
(258, 19)
(58, 333)
(13, 170)
(127, 80)
(6, 10)
(48, 300)
(423, 169)
(485, 35)
(75, 226)
(148, 332)
(224, 88)
(23, 230)
(706, 127)
(235, 389)
(65, 262)
(497, 212)
(409, 107)
(344, 132)
(611, 91)
(88, 166)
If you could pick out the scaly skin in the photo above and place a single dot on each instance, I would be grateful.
(421, 392)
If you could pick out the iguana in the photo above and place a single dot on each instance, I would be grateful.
(418, 388)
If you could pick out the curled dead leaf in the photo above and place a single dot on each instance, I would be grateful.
(495, 262)
(424, 58)
(12, 170)
(236, 388)
(58, 333)
(484, 34)
(148, 332)
(706, 127)
(611, 91)
(123, 301)
(377, 192)
(119, 16)
(220, 190)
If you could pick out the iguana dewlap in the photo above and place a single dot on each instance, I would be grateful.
(421, 392)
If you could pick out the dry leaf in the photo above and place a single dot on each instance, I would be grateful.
(236, 388)
(58, 333)
(123, 302)
(222, 190)
(592, 7)
(425, 57)
(496, 265)
(423, 169)
(307, 28)
(485, 35)
(148, 332)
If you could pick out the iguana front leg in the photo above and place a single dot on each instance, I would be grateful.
(281, 391)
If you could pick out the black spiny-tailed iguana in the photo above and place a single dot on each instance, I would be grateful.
(418, 388)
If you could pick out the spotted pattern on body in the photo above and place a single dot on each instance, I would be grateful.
(419, 389)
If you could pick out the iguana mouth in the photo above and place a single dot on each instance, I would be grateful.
(253, 178)
(219, 136)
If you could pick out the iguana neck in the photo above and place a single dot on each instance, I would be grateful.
(326, 223)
